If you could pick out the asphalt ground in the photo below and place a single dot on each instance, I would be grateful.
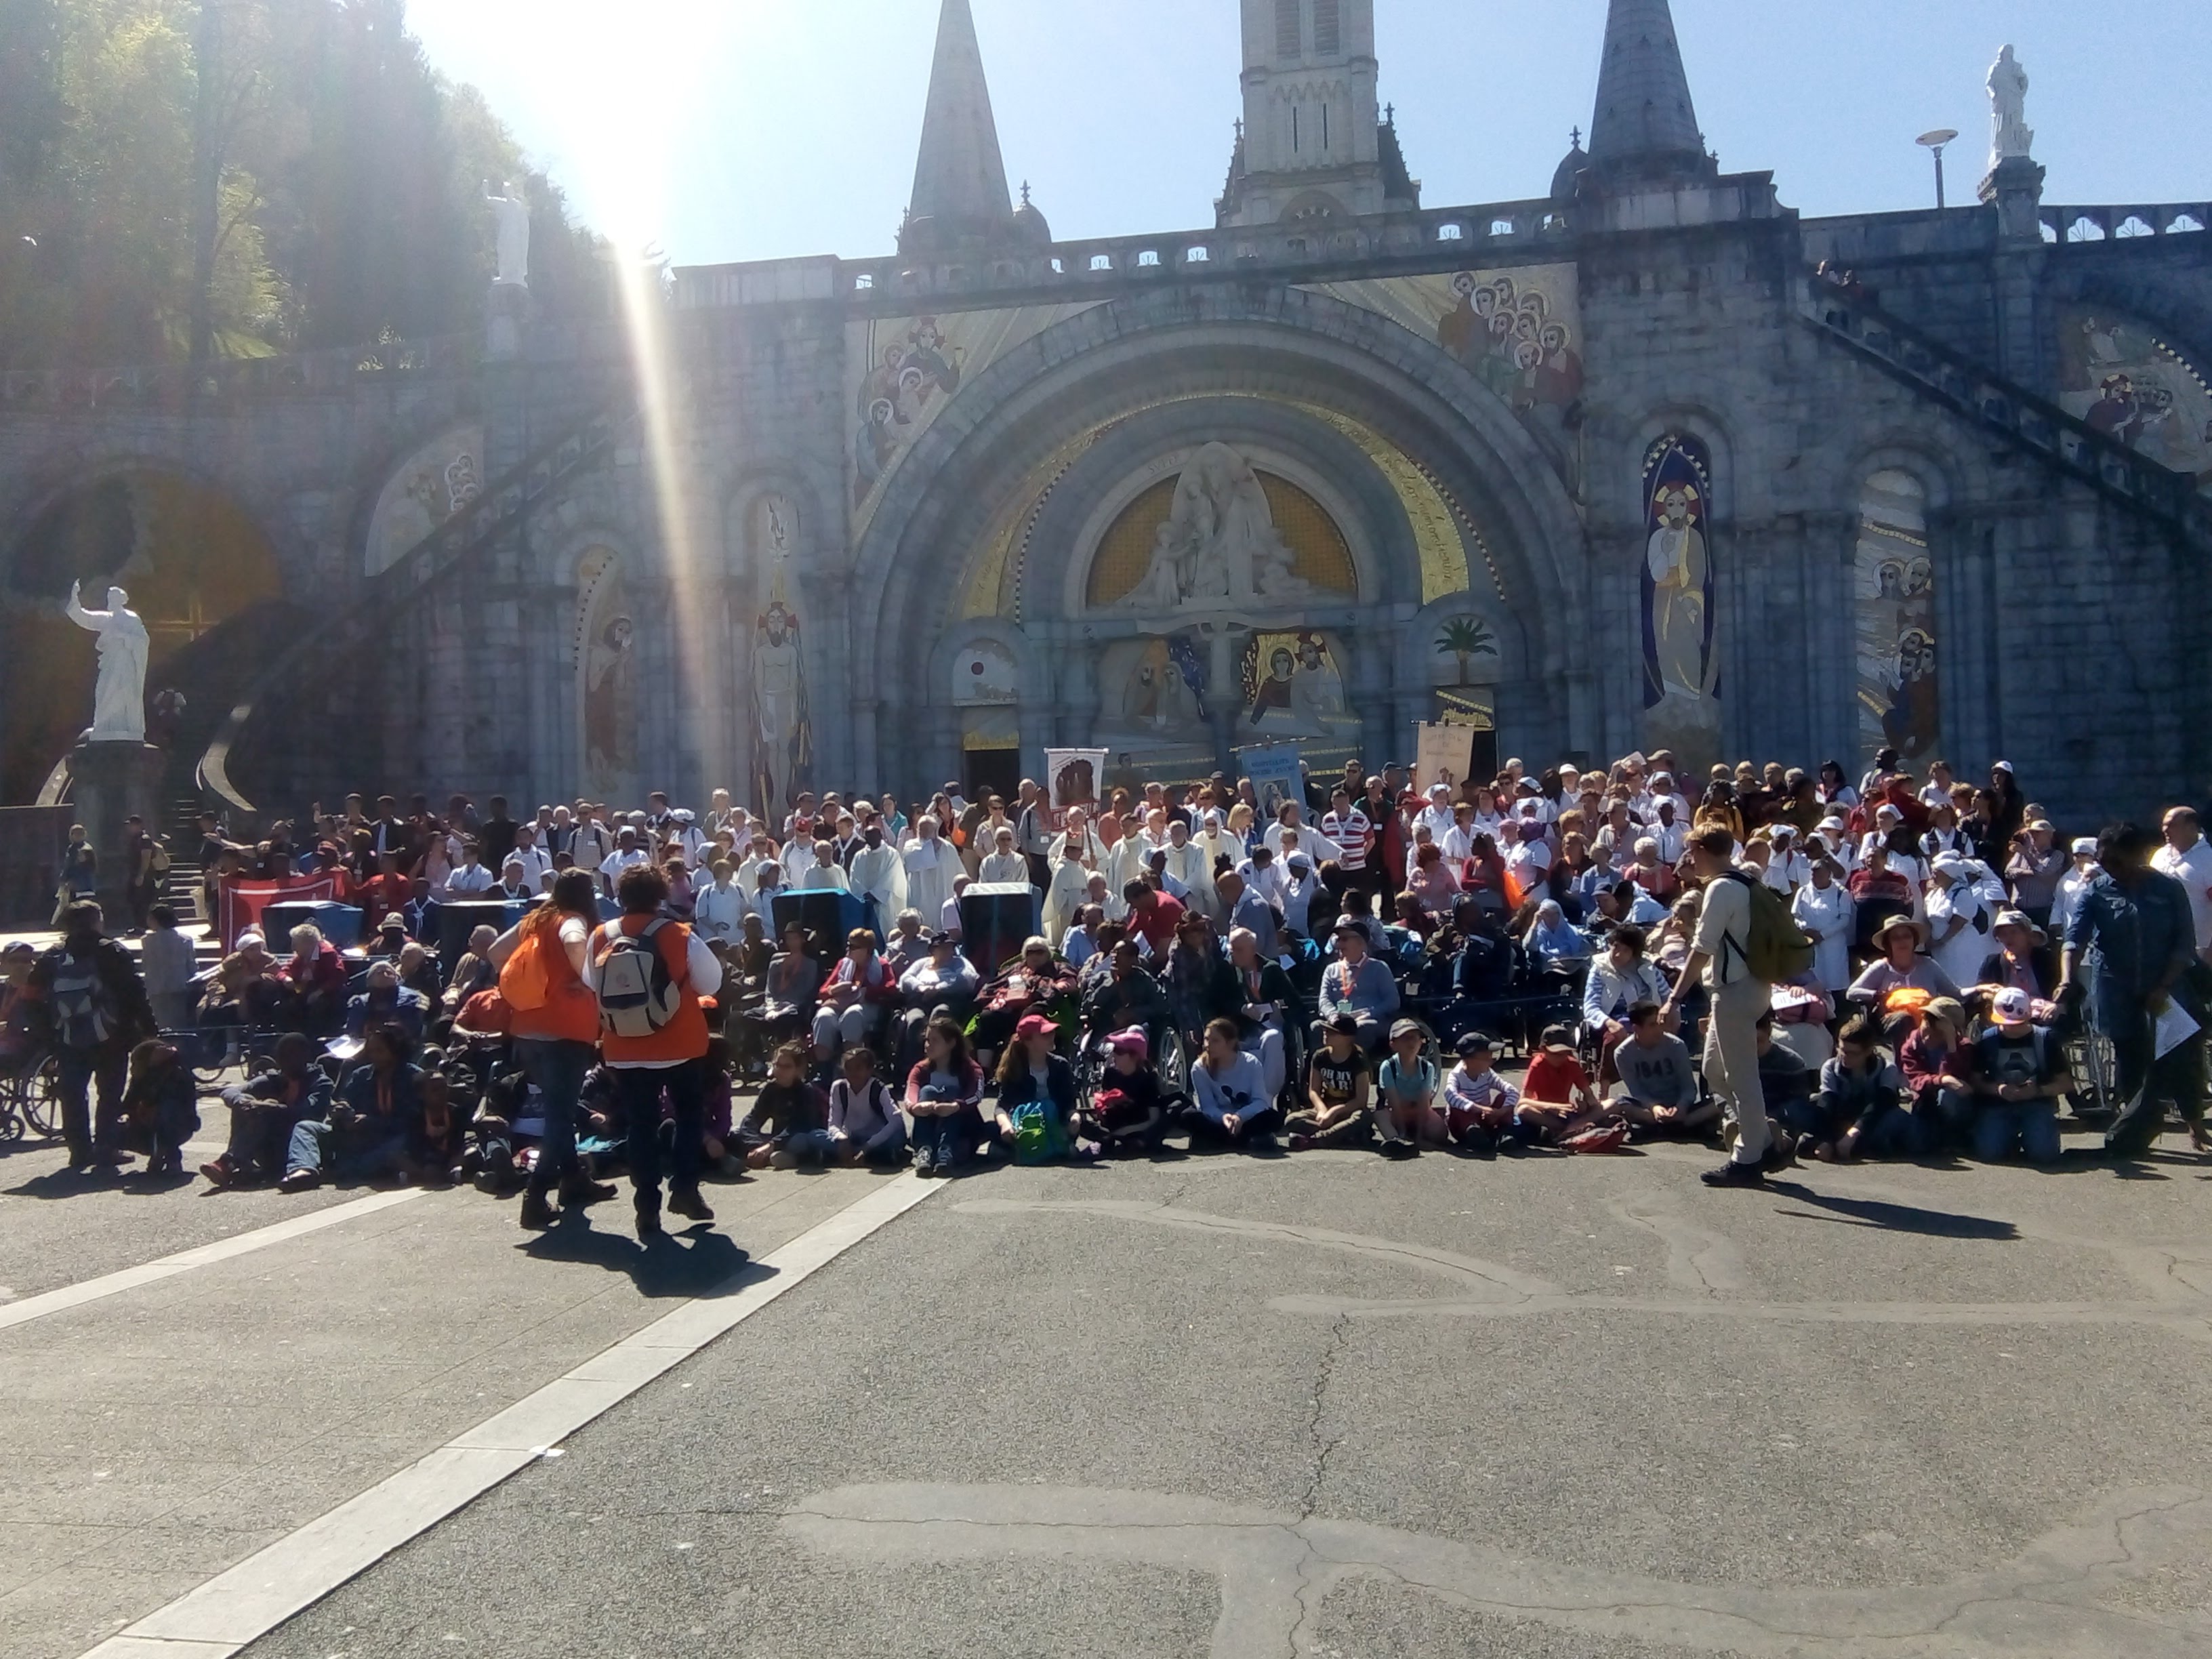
(1322, 1404)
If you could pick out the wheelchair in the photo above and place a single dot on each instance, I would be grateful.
(28, 1102)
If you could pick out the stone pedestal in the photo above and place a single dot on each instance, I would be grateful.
(506, 315)
(2014, 187)
(109, 782)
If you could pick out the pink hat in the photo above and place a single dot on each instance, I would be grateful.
(1035, 1025)
(1132, 1041)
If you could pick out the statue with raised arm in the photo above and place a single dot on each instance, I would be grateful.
(119, 703)
(2010, 136)
(511, 214)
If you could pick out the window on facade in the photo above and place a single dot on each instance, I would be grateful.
(1324, 128)
(1199, 256)
(1148, 257)
(1289, 42)
(1328, 28)
(1294, 129)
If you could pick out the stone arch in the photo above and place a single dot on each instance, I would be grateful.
(1109, 361)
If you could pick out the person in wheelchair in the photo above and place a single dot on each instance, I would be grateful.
(1200, 984)
(1126, 996)
(1265, 1002)
(1036, 981)
(1360, 984)
(942, 983)
(854, 1003)
(19, 1052)
(1618, 981)
(789, 993)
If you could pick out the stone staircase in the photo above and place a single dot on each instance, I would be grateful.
(367, 614)
(2026, 422)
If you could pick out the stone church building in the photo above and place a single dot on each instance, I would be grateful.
(1613, 466)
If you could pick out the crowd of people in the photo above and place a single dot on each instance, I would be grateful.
(1780, 964)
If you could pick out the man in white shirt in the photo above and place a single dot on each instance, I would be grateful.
(469, 878)
(1959, 919)
(1936, 792)
(827, 875)
(2187, 858)
(536, 864)
(1438, 814)
(1787, 869)
(1670, 828)
(626, 855)
(593, 840)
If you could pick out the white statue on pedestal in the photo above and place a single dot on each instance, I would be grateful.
(119, 702)
(2010, 136)
(511, 213)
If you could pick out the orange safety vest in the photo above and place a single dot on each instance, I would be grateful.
(683, 1037)
(571, 1013)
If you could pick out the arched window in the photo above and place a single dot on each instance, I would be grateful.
(1896, 621)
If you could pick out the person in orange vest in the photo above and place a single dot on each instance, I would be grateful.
(648, 974)
(556, 1028)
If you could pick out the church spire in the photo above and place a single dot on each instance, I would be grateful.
(960, 182)
(1645, 124)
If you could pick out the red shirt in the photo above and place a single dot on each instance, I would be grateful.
(1157, 921)
(1552, 1079)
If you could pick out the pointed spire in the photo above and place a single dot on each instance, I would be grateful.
(1645, 122)
(960, 182)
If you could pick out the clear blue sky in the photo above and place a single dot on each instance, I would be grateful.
(727, 130)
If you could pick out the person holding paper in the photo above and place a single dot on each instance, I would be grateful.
(2132, 934)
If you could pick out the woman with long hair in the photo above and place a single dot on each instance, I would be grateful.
(556, 1031)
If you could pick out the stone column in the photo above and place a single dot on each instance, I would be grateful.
(2015, 190)
(109, 782)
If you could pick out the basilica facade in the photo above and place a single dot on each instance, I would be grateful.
(1647, 460)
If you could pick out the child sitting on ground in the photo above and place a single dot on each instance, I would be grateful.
(1558, 1106)
(1128, 1114)
(1859, 1111)
(1340, 1084)
(865, 1124)
(1478, 1104)
(1406, 1085)
(788, 1126)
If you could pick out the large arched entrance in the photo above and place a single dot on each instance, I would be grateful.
(198, 569)
(1185, 526)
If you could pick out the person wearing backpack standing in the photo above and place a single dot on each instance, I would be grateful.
(87, 992)
(1721, 959)
(555, 1027)
(648, 974)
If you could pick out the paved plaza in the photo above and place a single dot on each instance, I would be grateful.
(1211, 1405)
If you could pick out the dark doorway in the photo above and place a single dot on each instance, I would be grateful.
(988, 772)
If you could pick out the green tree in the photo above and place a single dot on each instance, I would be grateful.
(1467, 638)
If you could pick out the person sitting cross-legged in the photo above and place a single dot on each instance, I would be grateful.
(2020, 1074)
(1558, 1106)
(1036, 1095)
(1659, 1092)
(1339, 1112)
(944, 1093)
(1478, 1104)
(1860, 1111)
(788, 1126)
(1232, 1108)
(1406, 1085)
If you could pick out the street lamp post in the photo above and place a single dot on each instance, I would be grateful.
(1934, 141)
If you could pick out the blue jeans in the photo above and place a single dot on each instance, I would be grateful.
(557, 1069)
(1893, 1132)
(948, 1140)
(2031, 1126)
(310, 1149)
(807, 1145)
(639, 1090)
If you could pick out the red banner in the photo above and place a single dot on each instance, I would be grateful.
(239, 904)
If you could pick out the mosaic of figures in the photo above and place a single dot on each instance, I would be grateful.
(1520, 331)
(902, 372)
(434, 483)
(2118, 376)
(1681, 667)
(1896, 621)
